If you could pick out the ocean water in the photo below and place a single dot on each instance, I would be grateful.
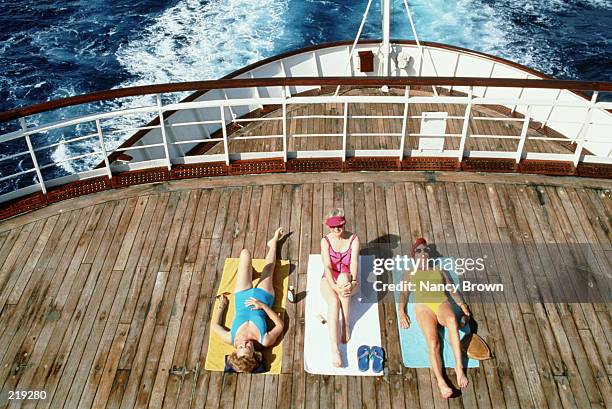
(54, 49)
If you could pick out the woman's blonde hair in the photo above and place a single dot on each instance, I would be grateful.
(336, 212)
(245, 363)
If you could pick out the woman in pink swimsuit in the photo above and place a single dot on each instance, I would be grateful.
(340, 253)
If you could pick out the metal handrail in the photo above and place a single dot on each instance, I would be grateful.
(342, 119)
(399, 82)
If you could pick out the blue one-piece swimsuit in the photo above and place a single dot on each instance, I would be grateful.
(244, 313)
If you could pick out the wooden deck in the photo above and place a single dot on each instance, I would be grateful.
(105, 300)
(500, 130)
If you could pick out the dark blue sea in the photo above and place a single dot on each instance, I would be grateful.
(54, 49)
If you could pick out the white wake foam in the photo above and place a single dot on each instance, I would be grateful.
(193, 40)
(196, 40)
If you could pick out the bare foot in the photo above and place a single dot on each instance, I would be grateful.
(445, 390)
(277, 235)
(336, 357)
(462, 380)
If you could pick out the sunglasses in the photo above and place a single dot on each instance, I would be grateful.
(337, 227)
(422, 250)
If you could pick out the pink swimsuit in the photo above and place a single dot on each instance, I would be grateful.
(340, 262)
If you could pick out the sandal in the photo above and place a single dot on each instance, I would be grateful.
(363, 358)
(378, 356)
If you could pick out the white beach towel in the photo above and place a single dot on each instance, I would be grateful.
(364, 322)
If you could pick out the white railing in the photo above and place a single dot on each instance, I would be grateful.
(585, 123)
(148, 153)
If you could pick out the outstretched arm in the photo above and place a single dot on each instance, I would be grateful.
(404, 319)
(456, 295)
(355, 263)
(218, 318)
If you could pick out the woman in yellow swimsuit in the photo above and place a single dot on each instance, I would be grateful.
(433, 308)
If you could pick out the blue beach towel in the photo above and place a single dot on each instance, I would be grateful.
(412, 340)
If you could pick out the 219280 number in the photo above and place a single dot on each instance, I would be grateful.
(27, 395)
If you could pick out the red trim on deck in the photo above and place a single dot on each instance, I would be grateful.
(255, 166)
(78, 188)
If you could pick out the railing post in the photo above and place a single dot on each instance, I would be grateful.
(552, 107)
(456, 66)
(466, 125)
(224, 130)
(103, 147)
(286, 89)
(484, 94)
(344, 132)
(285, 144)
(256, 92)
(521, 145)
(404, 124)
(584, 129)
(41, 182)
(520, 95)
(162, 127)
(316, 66)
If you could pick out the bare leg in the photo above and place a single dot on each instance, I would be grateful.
(429, 324)
(244, 278)
(345, 303)
(447, 318)
(266, 282)
(333, 311)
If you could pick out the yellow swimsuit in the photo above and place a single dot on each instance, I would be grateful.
(431, 299)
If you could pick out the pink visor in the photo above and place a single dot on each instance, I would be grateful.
(335, 221)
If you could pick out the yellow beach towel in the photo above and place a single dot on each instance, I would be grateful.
(217, 349)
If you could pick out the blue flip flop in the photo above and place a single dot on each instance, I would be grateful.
(378, 356)
(363, 358)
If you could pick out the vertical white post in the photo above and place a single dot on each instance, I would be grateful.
(231, 109)
(584, 129)
(41, 182)
(386, 29)
(162, 127)
(317, 69)
(456, 66)
(519, 96)
(103, 147)
(484, 94)
(550, 111)
(256, 92)
(466, 125)
(344, 132)
(285, 75)
(521, 145)
(404, 124)
(285, 125)
(224, 130)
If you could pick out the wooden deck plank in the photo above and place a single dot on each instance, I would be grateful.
(23, 271)
(26, 318)
(41, 343)
(487, 236)
(180, 368)
(120, 352)
(563, 325)
(99, 335)
(513, 213)
(67, 359)
(538, 391)
(486, 390)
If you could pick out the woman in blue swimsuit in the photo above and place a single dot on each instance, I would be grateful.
(252, 306)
